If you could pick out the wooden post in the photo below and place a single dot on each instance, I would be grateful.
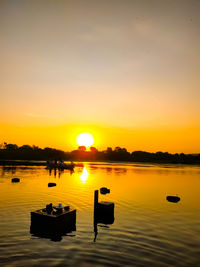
(96, 198)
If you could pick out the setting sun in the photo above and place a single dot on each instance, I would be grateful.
(85, 139)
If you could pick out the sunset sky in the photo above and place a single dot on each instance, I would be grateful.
(125, 71)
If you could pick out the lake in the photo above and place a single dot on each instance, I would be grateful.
(147, 230)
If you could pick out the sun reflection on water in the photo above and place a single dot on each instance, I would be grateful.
(84, 175)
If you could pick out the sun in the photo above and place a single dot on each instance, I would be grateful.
(85, 139)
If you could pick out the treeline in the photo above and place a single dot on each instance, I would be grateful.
(26, 152)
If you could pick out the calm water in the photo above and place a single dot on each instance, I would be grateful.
(147, 231)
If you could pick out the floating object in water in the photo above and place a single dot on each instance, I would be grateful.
(103, 212)
(15, 180)
(103, 206)
(106, 209)
(53, 221)
(51, 184)
(174, 199)
(103, 209)
(104, 190)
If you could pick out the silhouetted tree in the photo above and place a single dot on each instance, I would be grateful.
(93, 149)
(26, 152)
(26, 148)
(82, 148)
(11, 146)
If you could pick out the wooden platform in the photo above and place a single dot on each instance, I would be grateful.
(58, 221)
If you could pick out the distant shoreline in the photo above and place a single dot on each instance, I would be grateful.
(10, 154)
(22, 163)
(29, 162)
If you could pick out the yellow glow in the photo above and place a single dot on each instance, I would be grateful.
(85, 139)
(84, 175)
(172, 139)
(140, 104)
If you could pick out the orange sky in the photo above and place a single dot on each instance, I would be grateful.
(126, 71)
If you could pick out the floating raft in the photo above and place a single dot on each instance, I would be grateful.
(55, 220)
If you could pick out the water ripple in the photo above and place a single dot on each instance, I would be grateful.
(147, 231)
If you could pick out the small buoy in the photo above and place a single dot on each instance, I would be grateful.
(174, 199)
(104, 190)
(51, 184)
(15, 180)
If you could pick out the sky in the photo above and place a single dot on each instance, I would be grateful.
(126, 71)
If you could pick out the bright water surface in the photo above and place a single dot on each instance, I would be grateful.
(147, 231)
